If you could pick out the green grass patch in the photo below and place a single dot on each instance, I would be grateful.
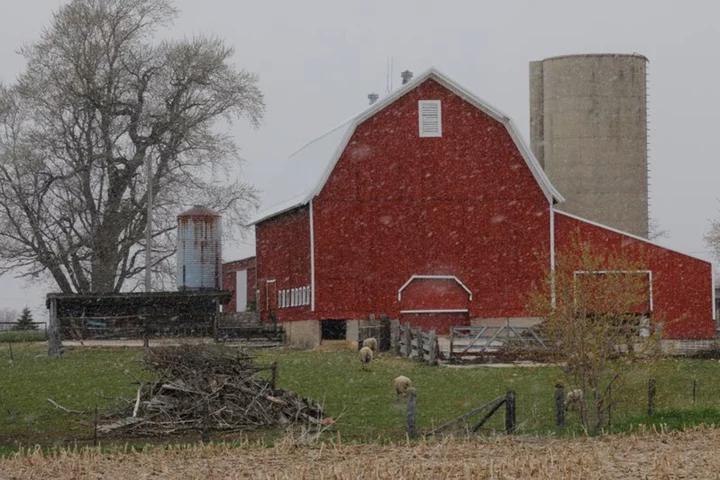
(675, 419)
(79, 381)
(364, 403)
(23, 336)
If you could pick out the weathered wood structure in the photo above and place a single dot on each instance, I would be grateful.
(412, 342)
(132, 315)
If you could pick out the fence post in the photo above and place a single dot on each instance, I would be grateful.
(410, 414)
(408, 340)
(609, 405)
(651, 397)
(395, 337)
(384, 340)
(420, 348)
(216, 322)
(452, 341)
(273, 375)
(433, 348)
(95, 427)
(559, 405)
(146, 331)
(55, 346)
(510, 412)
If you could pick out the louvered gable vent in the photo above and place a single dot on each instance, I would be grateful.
(430, 117)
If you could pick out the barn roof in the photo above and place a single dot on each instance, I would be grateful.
(311, 165)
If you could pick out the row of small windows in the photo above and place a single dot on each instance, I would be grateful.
(294, 297)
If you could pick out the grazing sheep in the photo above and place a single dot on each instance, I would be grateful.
(402, 386)
(574, 399)
(366, 356)
(371, 343)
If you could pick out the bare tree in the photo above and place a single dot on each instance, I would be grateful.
(655, 231)
(595, 309)
(98, 99)
(712, 239)
(7, 317)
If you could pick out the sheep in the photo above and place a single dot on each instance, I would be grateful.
(402, 386)
(574, 399)
(371, 343)
(366, 356)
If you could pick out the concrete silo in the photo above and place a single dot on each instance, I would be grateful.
(588, 129)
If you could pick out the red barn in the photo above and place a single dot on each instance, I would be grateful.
(242, 274)
(429, 207)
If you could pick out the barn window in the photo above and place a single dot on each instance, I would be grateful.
(430, 118)
(294, 301)
(280, 299)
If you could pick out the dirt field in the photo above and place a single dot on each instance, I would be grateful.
(687, 455)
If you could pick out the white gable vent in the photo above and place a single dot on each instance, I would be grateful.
(430, 118)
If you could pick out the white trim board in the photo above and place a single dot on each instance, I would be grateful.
(312, 259)
(433, 277)
(459, 310)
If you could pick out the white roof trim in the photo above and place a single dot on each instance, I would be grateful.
(432, 277)
(543, 181)
(631, 235)
(714, 311)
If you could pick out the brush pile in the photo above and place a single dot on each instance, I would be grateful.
(204, 388)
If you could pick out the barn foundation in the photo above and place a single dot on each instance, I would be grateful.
(304, 334)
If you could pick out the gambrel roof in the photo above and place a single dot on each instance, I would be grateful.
(311, 166)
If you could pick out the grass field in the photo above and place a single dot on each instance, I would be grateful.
(8, 336)
(362, 402)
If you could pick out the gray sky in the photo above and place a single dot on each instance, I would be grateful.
(318, 60)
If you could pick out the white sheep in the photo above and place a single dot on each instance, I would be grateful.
(366, 356)
(402, 386)
(574, 399)
(371, 343)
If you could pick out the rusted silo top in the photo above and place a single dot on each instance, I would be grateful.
(198, 211)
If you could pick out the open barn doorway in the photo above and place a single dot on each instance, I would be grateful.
(334, 329)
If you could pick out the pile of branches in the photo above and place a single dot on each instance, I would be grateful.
(204, 388)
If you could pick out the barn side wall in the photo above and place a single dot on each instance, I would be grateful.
(228, 280)
(283, 255)
(682, 285)
(398, 205)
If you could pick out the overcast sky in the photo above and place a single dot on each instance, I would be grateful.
(318, 60)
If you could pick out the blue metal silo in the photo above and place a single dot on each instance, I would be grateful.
(199, 252)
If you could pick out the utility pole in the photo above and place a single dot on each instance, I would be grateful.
(148, 227)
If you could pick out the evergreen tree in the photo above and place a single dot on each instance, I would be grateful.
(25, 322)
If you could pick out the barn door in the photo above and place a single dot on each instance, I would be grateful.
(435, 302)
(241, 288)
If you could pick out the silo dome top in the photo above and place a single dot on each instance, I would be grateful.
(198, 211)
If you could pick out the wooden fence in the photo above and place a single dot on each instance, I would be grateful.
(484, 340)
(509, 400)
(372, 331)
(409, 342)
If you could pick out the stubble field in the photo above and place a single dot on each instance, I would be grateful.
(654, 455)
